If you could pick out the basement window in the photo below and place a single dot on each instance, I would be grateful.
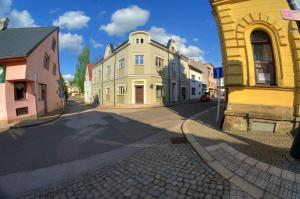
(22, 111)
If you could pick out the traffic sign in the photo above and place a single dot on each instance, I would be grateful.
(292, 15)
(218, 73)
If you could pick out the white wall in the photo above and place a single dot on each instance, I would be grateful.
(88, 92)
(197, 84)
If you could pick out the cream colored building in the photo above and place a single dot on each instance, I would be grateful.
(141, 71)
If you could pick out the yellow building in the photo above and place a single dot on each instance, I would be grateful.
(141, 71)
(261, 59)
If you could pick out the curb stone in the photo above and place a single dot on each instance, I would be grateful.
(39, 123)
(244, 185)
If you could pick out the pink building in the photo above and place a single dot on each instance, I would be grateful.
(29, 72)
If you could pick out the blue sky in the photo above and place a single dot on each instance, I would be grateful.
(97, 22)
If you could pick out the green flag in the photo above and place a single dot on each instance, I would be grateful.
(2, 74)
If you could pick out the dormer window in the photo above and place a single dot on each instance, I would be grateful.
(173, 49)
(137, 41)
(142, 41)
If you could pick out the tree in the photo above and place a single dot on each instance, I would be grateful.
(83, 61)
(65, 88)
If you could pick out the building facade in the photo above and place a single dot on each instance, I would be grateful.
(208, 82)
(261, 56)
(30, 75)
(196, 90)
(141, 71)
(88, 84)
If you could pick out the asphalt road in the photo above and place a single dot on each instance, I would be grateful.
(84, 132)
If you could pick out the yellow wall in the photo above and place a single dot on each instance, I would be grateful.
(148, 73)
(260, 97)
(236, 20)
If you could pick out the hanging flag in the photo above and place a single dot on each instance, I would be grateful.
(2, 74)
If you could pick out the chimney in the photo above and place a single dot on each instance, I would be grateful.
(4, 23)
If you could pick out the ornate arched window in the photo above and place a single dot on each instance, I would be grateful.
(263, 58)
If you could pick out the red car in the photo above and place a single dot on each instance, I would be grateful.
(205, 98)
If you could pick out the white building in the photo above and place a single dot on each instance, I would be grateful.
(195, 82)
(88, 84)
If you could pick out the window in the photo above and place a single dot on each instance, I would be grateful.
(107, 91)
(121, 63)
(182, 69)
(42, 92)
(137, 41)
(193, 78)
(173, 49)
(53, 46)
(54, 69)
(142, 41)
(173, 67)
(121, 90)
(193, 91)
(46, 61)
(20, 90)
(139, 59)
(263, 58)
(22, 111)
(108, 70)
(159, 91)
(159, 62)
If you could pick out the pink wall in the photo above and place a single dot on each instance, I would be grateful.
(26, 69)
(35, 66)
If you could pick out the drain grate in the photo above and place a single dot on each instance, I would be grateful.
(178, 140)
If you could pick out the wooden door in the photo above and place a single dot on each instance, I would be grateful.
(139, 94)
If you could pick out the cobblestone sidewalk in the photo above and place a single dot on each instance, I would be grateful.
(161, 170)
(250, 174)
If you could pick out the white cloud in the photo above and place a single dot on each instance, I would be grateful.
(72, 20)
(103, 12)
(162, 36)
(5, 6)
(72, 42)
(195, 40)
(68, 77)
(18, 19)
(126, 20)
(95, 44)
(55, 10)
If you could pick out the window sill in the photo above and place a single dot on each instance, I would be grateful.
(20, 100)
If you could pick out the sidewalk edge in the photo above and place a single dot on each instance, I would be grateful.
(244, 185)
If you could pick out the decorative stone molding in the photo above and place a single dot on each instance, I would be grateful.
(259, 18)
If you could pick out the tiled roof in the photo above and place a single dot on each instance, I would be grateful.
(19, 42)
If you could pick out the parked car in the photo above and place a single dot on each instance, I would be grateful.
(205, 98)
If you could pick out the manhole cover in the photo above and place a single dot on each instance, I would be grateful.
(178, 140)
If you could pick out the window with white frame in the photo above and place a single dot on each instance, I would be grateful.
(193, 78)
(139, 59)
(173, 67)
(121, 63)
(159, 62)
(107, 92)
(108, 69)
(182, 69)
(121, 90)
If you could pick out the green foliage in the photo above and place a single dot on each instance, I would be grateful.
(83, 61)
(65, 88)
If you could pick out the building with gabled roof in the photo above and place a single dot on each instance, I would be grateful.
(29, 71)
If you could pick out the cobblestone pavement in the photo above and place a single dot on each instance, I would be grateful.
(161, 170)
(282, 183)
(270, 148)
